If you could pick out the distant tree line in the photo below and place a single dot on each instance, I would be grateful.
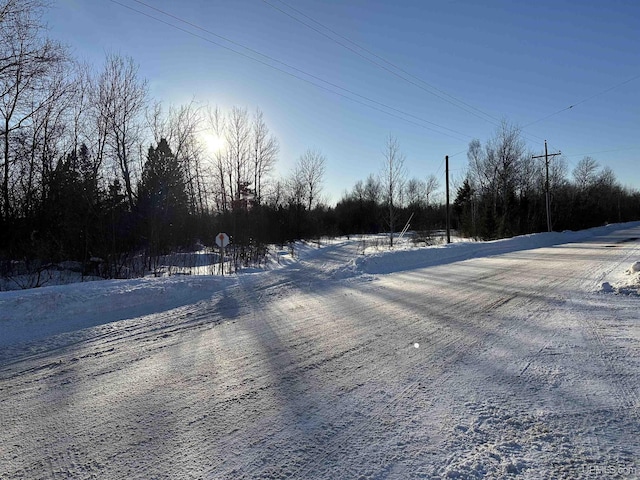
(504, 192)
(92, 170)
(386, 201)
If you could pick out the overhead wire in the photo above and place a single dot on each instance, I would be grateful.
(272, 59)
(603, 151)
(441, 93)
(396, 67)
(350, 92)
(602, 92)
(487, 117)
(442, 162)
(583, 100)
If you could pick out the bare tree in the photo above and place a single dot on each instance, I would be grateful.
(495, 171)
(585, 173)
(180, 129)
(217, 125)
(392, 177)
(156, 121)
(296, 188)
(49, 124)
(264, 153)
(238, 137)
(121, 98)
(373, 190)
(481, 174)
(414, 192)
(357, 193)
(311, 168)
(506, 151)
(276, 196)
(607, 179)
(241, 166)
(80, 86)
(26, 61)
(557, 173)
(431, 185)
(531, 175)
(98, 123)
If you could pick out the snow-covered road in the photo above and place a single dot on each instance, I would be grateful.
(514, 363)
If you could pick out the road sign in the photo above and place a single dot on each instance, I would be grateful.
(222, 240)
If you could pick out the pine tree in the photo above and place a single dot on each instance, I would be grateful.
(162, 200)
(463, 208)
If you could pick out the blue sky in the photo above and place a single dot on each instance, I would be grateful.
(482, 62)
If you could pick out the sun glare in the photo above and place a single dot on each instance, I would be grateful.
(212, 142)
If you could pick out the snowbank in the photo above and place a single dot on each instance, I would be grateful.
(27, 315)
(625, 282)
(380, 262)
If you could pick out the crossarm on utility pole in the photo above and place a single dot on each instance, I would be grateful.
(548, 199)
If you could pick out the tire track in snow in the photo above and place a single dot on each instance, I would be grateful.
(548, 432)
(627, 397)
(446, 344)
(478, 452)
(450, 348)
(359, 395)
(147, 328)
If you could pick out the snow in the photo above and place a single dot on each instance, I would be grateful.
(517, 358)
(27, 315)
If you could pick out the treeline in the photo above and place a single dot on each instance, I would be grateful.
(94, 171)
(504, 192)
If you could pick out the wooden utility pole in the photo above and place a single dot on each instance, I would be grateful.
(548, 198)
(447, 184)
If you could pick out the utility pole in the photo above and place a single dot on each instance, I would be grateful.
(548, 198)
(447, 215)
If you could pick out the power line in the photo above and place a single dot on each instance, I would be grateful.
(583, 100)
(440, 168)
(290, 67)
(490, 118)
(417, 78)
(456, 154)
(350, 92)
(393, 72)
(603, 151)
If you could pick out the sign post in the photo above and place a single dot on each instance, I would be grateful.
(222, 240)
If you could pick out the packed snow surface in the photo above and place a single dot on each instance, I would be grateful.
(516, 358)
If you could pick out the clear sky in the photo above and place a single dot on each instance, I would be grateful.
(472, 64)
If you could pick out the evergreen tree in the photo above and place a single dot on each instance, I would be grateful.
(68, 223)
(463, 209)
(162, 200)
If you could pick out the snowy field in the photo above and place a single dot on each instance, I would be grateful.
(518, 358)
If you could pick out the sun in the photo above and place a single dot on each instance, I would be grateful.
(213, 143)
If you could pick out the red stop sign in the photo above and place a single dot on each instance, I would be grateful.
(222, 240)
